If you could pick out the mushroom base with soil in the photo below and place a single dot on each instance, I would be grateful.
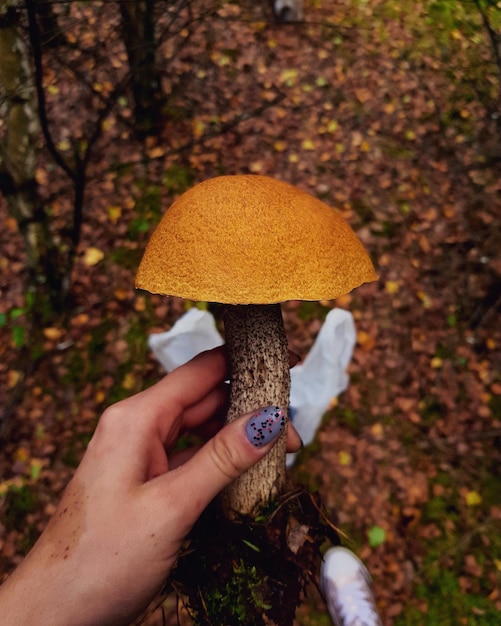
(254, 571)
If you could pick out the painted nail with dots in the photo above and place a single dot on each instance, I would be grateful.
(265, 425)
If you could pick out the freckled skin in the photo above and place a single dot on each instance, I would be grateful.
(68, 523)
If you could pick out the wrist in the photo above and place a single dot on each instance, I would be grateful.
(42, 594)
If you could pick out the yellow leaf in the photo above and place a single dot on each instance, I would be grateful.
(436, 363)
(53, 90)
(308, 144)
(425, 299)
(198, 128)
(129, 381)
(156, 152)
(114, 213)
(280, 146)
(366, 341)
(332, 126)
(377, 431)
(140, 304)
(93, 256)
(391, 287)
(18, 482)
(344, 458)
(473, 498)
(121, 294)
(491, 343)
(63, 145)
(13, 377)
(288, 77)
(51, 333)
(36, 466)
(80, 320)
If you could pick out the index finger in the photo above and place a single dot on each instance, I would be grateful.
(183, 387)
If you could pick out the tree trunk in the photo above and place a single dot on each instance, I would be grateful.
(138, 29)
(259, 362)
(18, 152)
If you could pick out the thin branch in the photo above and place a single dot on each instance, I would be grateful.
(493, 35)
(34, 37)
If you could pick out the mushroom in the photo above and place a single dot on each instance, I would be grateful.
(251, 242)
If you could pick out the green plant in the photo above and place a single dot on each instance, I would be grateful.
(19, 501)
(245, 585)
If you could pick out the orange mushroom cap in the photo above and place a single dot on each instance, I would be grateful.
(250, 239)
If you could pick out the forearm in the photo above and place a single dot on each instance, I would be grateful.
(33, 595)
(49, 591)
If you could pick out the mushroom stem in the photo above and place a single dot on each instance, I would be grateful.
(259, 362)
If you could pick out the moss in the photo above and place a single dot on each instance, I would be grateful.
(448, 605)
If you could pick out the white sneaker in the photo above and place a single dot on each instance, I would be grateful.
(346, 585)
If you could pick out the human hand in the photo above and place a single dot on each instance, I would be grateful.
(117, 531)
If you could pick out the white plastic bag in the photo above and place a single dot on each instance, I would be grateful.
(314, 383)
(193, 333)
(322, 375)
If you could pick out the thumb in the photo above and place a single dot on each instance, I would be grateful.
(236, 447)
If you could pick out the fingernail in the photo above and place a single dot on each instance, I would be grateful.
(265, 425)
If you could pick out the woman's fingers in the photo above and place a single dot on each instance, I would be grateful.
(178, 458)
(222, 459)
(294, 441)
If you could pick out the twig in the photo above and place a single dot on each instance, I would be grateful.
(34, 37)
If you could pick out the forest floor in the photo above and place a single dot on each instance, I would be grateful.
(380, 110)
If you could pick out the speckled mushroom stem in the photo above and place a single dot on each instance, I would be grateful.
(259, 361)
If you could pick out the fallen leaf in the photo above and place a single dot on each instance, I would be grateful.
(473, 498)
(376, 536)
(344, 458)
(53, 334)
(93, 256)
(129, 381)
